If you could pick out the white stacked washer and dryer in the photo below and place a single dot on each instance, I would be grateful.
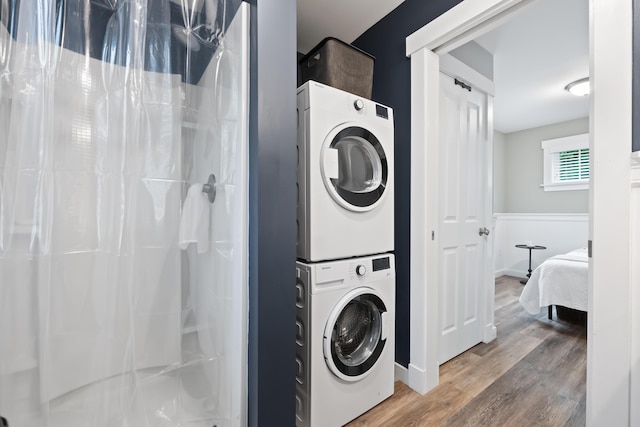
(345, 286)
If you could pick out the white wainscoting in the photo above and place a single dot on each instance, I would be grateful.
(560, 233)
(635, 290)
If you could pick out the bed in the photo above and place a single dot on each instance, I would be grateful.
(560, 280)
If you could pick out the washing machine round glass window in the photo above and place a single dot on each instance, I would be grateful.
(354, 336)
(359, 181)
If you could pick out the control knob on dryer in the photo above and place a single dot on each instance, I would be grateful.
(358, 104)
(361, 270)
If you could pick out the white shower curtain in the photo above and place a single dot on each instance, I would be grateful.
(109, 111)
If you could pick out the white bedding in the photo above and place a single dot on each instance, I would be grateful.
(560, 280)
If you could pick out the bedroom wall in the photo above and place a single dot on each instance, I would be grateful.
(525, 212)
(499, 177)
(559, 233)
(523, 163)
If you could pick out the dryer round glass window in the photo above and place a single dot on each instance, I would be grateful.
(354, 335)
(354, 168)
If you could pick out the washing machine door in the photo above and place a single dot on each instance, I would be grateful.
(355, 334)
(354, 167)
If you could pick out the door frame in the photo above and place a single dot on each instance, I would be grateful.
(608, 350)
(455, 27)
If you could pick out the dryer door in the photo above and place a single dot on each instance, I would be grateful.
(355, 334)
(354, 167)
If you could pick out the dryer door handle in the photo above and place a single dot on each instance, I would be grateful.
(330, 163)
(386, 325)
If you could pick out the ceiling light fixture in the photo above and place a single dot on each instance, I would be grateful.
(579, 87)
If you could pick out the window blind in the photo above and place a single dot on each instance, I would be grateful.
(571, 165)
(566, 163)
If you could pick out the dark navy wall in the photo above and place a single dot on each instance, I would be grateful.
(392, 86)
(272, 214)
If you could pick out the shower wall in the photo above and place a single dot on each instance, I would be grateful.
(217, 143)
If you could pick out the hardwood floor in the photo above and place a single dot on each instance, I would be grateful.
(532, 374)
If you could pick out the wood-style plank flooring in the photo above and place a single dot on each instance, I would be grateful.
(532, 374)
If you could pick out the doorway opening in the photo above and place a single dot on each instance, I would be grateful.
(610, 139)
(427, 63)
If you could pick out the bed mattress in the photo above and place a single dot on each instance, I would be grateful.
(560, 280)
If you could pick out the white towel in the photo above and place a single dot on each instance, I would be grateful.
(194, 222)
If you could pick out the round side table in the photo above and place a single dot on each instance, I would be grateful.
(530, 247)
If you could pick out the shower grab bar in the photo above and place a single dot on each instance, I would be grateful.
(210, 188)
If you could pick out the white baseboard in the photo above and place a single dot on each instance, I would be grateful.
(489, 334)
(401, 373)
(513, 273)
(420, 381)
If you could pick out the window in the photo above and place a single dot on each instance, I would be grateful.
(566, 163)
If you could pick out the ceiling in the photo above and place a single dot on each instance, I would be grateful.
(345, 20)
(536, 53)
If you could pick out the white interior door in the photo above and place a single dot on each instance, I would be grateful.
(463, 142)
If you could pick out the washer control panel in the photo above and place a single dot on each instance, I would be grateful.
(370, 268)
(383, 263)
(331, 274)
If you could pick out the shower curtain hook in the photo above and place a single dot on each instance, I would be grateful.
(210, 188)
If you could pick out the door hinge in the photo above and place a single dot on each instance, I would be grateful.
(590, 248)
(433, 235)
(462, 84)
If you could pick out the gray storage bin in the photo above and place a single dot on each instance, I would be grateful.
(340, 65)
